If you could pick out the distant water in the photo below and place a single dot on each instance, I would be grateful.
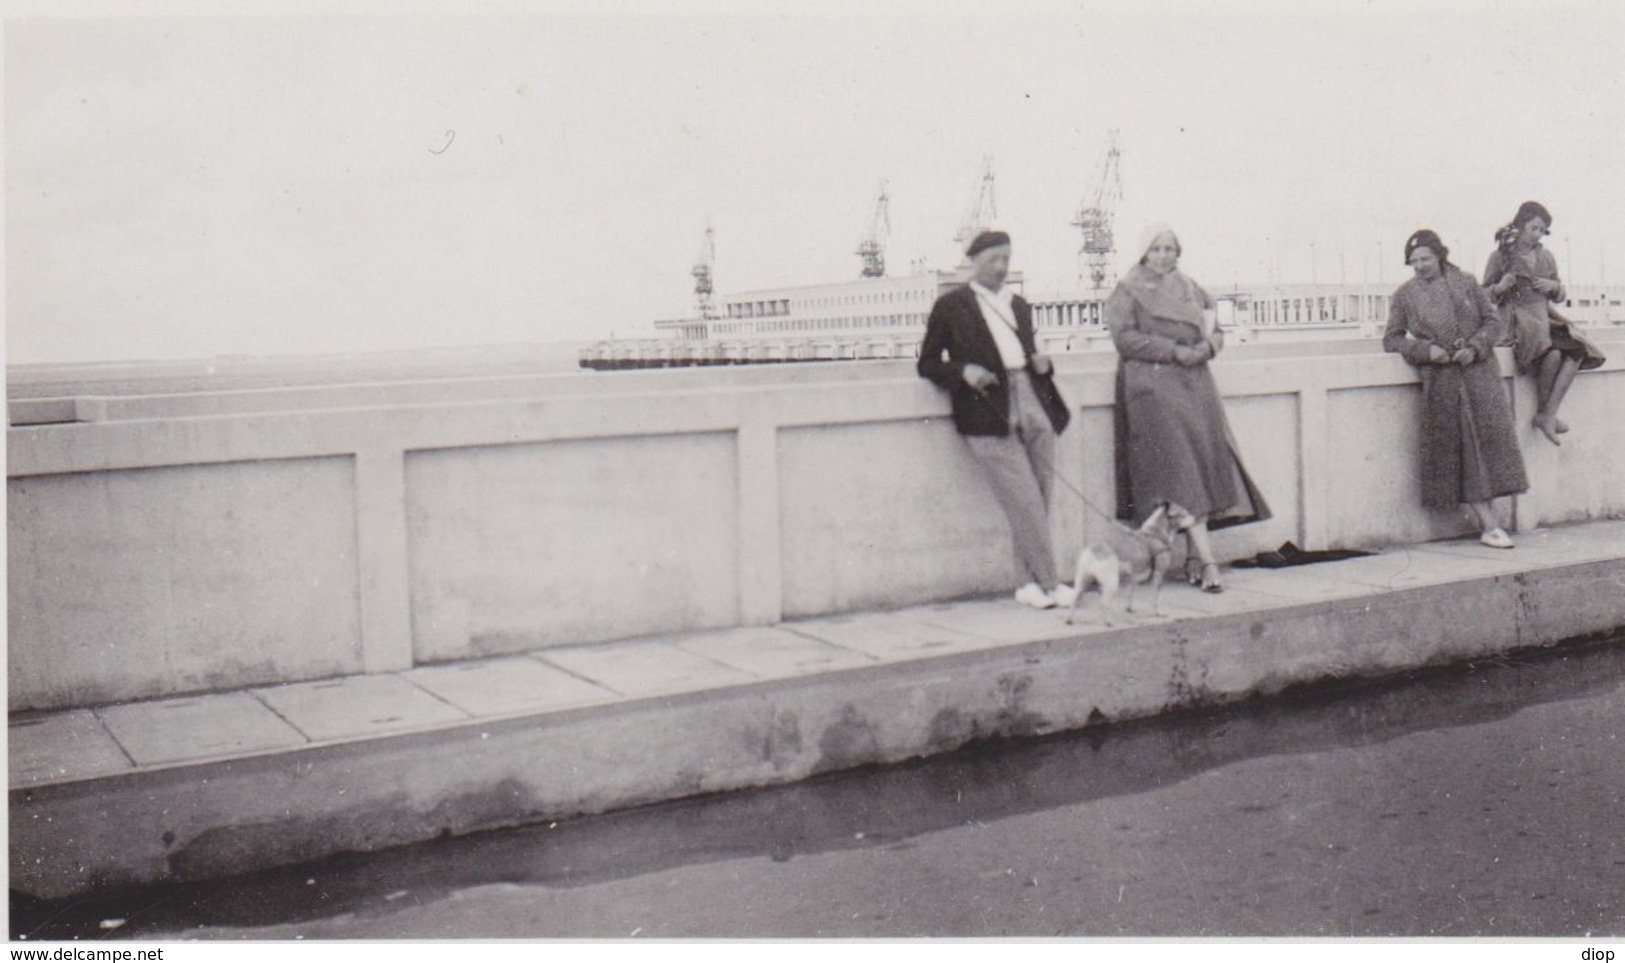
(236, 373)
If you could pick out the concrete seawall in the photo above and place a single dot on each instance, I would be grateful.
(195, 787)
(201, 542)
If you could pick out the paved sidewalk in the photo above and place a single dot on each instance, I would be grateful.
(804, 696)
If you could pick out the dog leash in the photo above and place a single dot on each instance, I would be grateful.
(1117, 522)
(1085, 499)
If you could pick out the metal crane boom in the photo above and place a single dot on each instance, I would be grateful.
(872, 249)
(984, 209)
(1095, 215)
(703, 307)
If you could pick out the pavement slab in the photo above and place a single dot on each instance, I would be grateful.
(1543, 548)
(68, 745)
(357, 706)
(645, 668)
(1611, 531)
(772, 653)
(503, 686)
(1415, 567)
(1188, 601)
(892, 636)
(1301, 584)
(1006, 622)
(197, 727)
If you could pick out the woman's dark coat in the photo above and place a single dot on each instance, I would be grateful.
(1469, 450)
(1173, 442)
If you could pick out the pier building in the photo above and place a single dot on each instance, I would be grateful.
(884, 318)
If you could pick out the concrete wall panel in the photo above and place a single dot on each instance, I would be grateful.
(1083, 459)
(1375, 492)
(132, 584)
(1584, 478)
(519, 547)
(875, 515)
(1259, 422)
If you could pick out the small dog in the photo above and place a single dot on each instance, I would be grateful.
(1131, 555)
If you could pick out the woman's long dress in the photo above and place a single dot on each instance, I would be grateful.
(1469, 450)
(1528, 317)
(1173, 442)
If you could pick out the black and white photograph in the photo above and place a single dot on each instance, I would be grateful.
(615, 471)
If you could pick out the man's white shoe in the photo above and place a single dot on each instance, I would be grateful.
(1064, 595)
(1496, 538)
(1034, 595)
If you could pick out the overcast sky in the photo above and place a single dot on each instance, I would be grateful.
(288, 181)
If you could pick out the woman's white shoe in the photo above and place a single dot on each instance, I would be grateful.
(1496, 538)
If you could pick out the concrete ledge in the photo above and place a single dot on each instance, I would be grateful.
(463, 518)
(665, 718)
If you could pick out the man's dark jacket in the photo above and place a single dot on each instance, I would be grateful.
(956, 327)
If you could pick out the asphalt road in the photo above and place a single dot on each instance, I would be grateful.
(1481, 801)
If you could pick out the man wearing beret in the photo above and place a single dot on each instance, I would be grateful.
(979, 346)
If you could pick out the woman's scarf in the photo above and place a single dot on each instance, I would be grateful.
(1171, 296)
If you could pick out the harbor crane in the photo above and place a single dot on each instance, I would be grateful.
(872, 249)
(984, 210)
(703, 307)
(1095, 215)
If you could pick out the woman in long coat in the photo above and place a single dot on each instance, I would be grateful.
(1522, 278)
(1173, 442)
(1442, 322)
